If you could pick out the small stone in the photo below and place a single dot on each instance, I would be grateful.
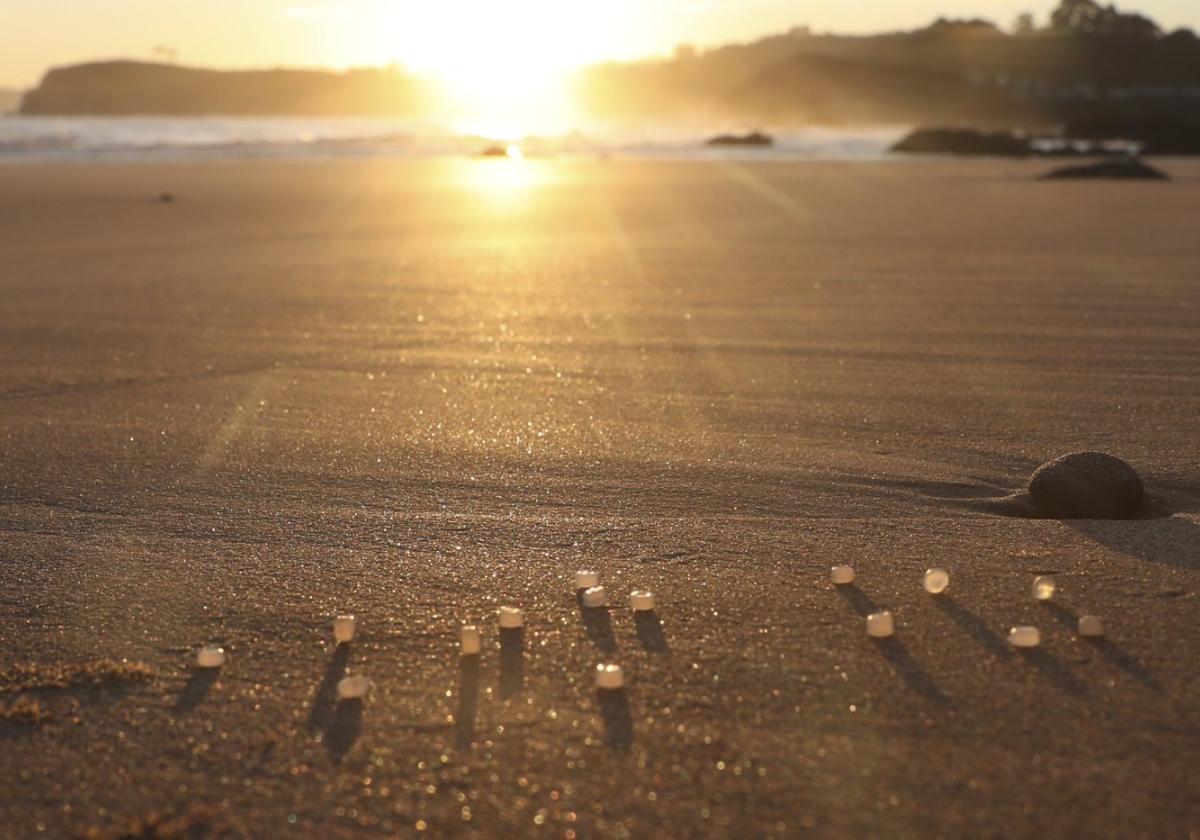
(210, 656)
(586, 580)
(343, 629)
(1043, 588)
(641, 601)
(597, 596)
(1024, 637)
(936, 581)
(609, 677)
(472, 643)
(353, 688)
(880, 625)
(511, 617)
(1086, 485)
(1091, 625)
(842, 575)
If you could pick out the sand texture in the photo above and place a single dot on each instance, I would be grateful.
(417, 391)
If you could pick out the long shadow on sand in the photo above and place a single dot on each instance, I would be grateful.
(512, 661)
(342, 728)
(1104, 646)
(598, 624)
(893, 650)
(468, 701)
(196, 688)
(338, 723)
(860, 601)
(618, 720)
(973, 625)
(994, 643)
(650, 631)
(1170, 540)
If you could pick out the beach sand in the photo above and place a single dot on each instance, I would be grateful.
(416, 391)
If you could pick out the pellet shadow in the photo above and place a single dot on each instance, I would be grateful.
(892, 649)
(321, 711)
(1105, 647)
(650, 631)
(512, 660)
(468, 701)
(915, 677)
(618, 720)
(196, 688)
(342, 728)
(598, 624)
(856, 598)
(1055, 671)
(972, 625)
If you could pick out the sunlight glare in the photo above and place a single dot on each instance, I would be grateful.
(504, 66)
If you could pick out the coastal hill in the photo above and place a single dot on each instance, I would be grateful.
(129, 87)
(1086, 61)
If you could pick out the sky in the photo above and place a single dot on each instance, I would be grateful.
(466, 38)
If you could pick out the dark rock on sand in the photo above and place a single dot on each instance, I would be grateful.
(1086, 485)
(1120, 168)
(964, 141)
(754, 138)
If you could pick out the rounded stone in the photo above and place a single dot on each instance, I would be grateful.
(343, 629)
(880, 625)
(511, 618)
(1043, 588)
(609, 677)
(596, 596)
(470, 639)
(842, 575)
(936, 581)
(641, 601)
(353, 687)
(1091, 625)
(1024, 637)
(586, 579)
(1086, 485)
(210, 656)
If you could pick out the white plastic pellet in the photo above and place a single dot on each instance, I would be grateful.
(609, 677)
(641, 601)
(511, 617)
(1091, 625)
(936, 581)
(343, 629)
(842, 575)
(353, 688)
(1043, 588)
(586, 580)
(471, 640)
(880, 625)
(597, 596)
(210, 656)
(1024, 637)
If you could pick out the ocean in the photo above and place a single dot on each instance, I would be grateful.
(165, 139)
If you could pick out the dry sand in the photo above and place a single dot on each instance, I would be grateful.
(416, 391)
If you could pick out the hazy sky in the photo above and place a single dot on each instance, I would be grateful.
(432, 34)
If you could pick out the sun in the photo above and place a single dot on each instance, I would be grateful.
(503, 67)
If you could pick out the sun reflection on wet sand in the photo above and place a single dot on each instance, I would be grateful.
(504, 183)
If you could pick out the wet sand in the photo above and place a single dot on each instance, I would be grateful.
(416, 391)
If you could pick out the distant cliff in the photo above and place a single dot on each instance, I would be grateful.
(129, 87)
(9, 100)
